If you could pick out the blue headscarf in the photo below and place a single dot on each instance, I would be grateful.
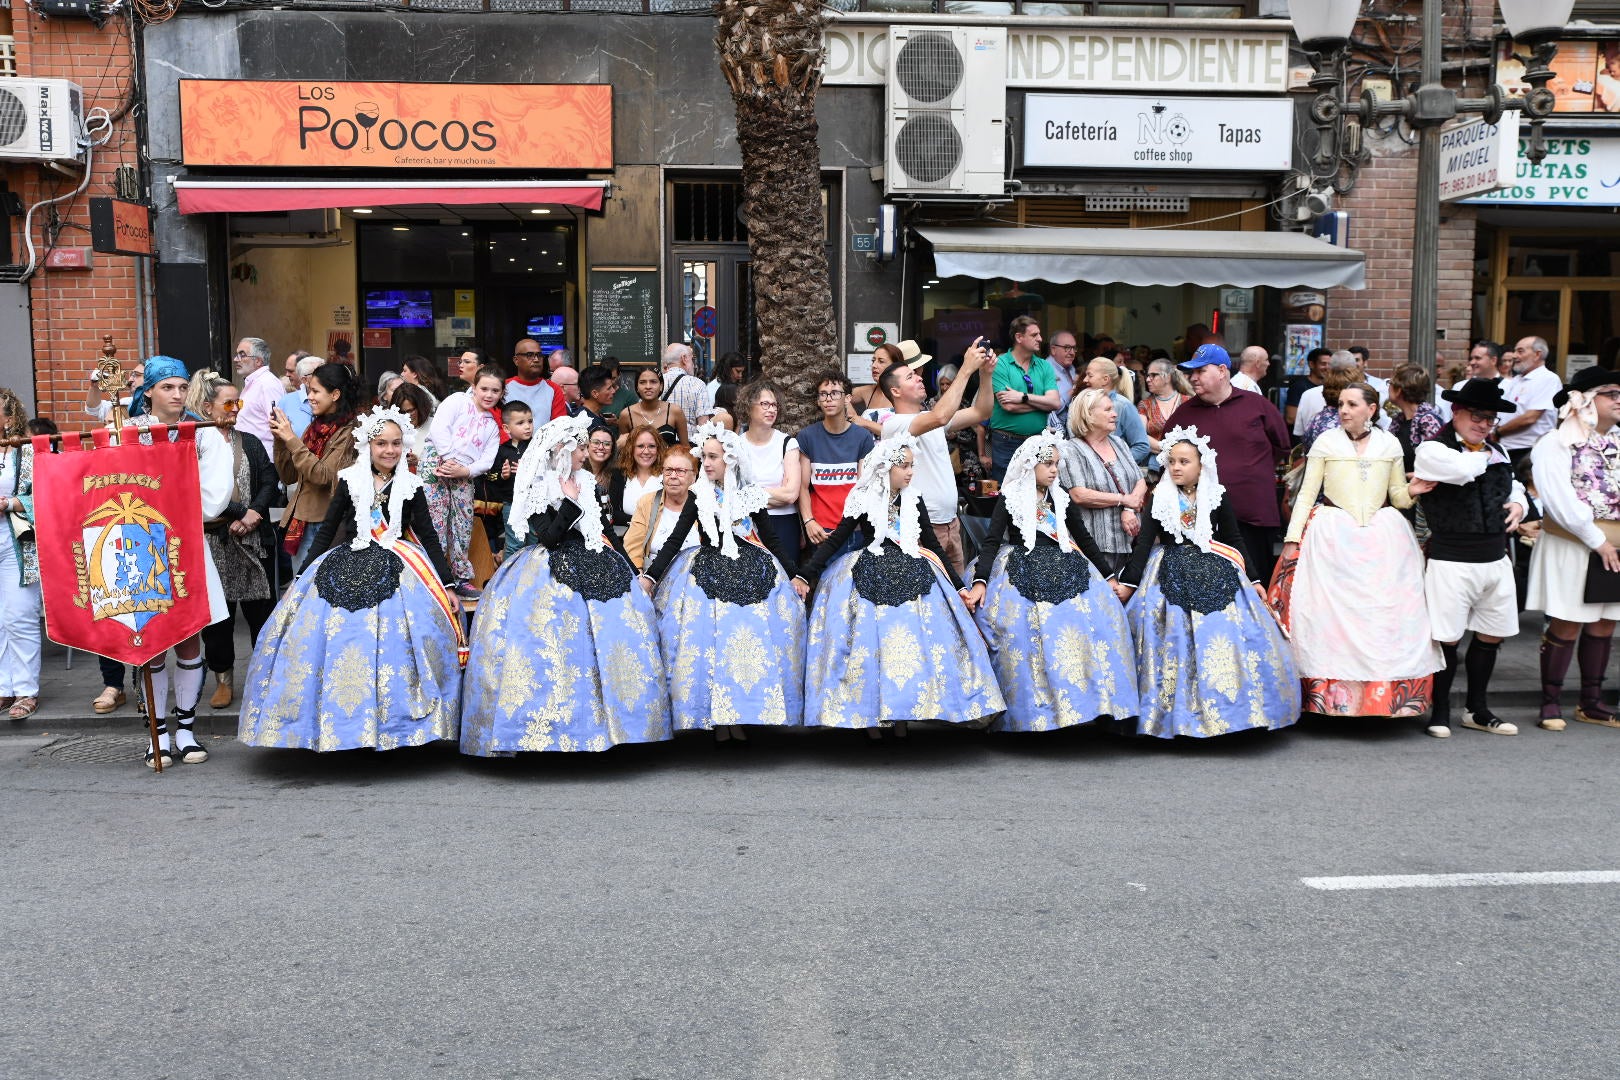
(156, 369)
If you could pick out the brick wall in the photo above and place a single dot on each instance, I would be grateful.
(73, 308)
(1381, 207)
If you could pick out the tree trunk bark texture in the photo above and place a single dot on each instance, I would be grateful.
(771, 55)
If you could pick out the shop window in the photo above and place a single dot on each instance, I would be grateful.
(1562, 256)
(712, 212)
(977, 7)
(709, 213)
(411, 252)
(1056, 10)
(1134, 11)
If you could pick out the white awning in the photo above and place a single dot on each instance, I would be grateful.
(1282, 260)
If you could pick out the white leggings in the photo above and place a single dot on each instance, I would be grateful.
(19, 627)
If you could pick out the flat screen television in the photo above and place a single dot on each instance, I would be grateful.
(546, 329)
(399, 308)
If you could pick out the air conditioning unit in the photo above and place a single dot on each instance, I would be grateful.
(947, 106)
(41, 120)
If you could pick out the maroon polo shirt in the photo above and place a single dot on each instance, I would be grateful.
(1249, 438)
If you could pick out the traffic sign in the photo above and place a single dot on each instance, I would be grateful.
(705, 321)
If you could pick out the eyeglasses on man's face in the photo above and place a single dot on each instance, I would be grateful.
(829, 395)
(530, 355)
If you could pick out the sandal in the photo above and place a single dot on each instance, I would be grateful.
(24, 708)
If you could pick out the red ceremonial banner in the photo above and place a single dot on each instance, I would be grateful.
(121, 556)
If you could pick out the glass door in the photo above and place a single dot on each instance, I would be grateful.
(721, 282)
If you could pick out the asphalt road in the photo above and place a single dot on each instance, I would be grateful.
(960, 906)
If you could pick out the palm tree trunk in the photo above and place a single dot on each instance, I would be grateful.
(771, 56)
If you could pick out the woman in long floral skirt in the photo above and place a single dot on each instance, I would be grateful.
(1210, 656)
(1057, 631)
(891, 639)
(565, 652)
(731, 626)
(1344, 586)
(365, 650)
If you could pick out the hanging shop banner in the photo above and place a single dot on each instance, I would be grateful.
(120, 227)
(1100, 131)
(1054, 58)
(1476, 156)
(395, 125)
(121, 559)
(1581, 171)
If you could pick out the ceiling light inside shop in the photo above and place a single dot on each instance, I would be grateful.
(466, 234)
(540, 210)
(360, 210)
(512, 259)
(402, 228)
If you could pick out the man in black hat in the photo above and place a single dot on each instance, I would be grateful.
(1578, 484)
(1471, 502)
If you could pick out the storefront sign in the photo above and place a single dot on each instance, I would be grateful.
(1476, 156)
(1586, 75)
(1052, 58)
(395, 125)
(1575, 172)
(119, 227)
(1136, 132)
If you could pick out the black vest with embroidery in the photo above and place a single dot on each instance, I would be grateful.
(1467, 522)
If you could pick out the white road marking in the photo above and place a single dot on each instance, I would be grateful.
(1451, 881)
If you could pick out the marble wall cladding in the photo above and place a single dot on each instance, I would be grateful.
(671, 105)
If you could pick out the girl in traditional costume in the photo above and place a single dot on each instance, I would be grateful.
(1057, 631)
(1346, 587)
(890, 638)
(365, 650)
(565, 650)
(1210, 656)
(731, 625)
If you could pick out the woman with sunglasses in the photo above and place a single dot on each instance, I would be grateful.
(1167, 391)
(239, 539)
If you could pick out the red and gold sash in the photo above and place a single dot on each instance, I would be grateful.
(417, 561)
(1231, 555)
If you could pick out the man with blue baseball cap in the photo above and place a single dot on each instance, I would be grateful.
(1249, 438)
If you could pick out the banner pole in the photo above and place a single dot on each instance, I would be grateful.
(151, 718)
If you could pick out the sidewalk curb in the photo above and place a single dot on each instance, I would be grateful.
(127, 721)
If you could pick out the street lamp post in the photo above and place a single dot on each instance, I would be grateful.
(1324, 28)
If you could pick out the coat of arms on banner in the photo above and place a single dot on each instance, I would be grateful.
(127, 563)
(121, 556)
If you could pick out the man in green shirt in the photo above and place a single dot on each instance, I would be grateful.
(1026, 391)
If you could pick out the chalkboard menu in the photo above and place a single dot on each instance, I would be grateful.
(624, 315)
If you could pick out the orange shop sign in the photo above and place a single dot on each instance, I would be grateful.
(396, 125)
